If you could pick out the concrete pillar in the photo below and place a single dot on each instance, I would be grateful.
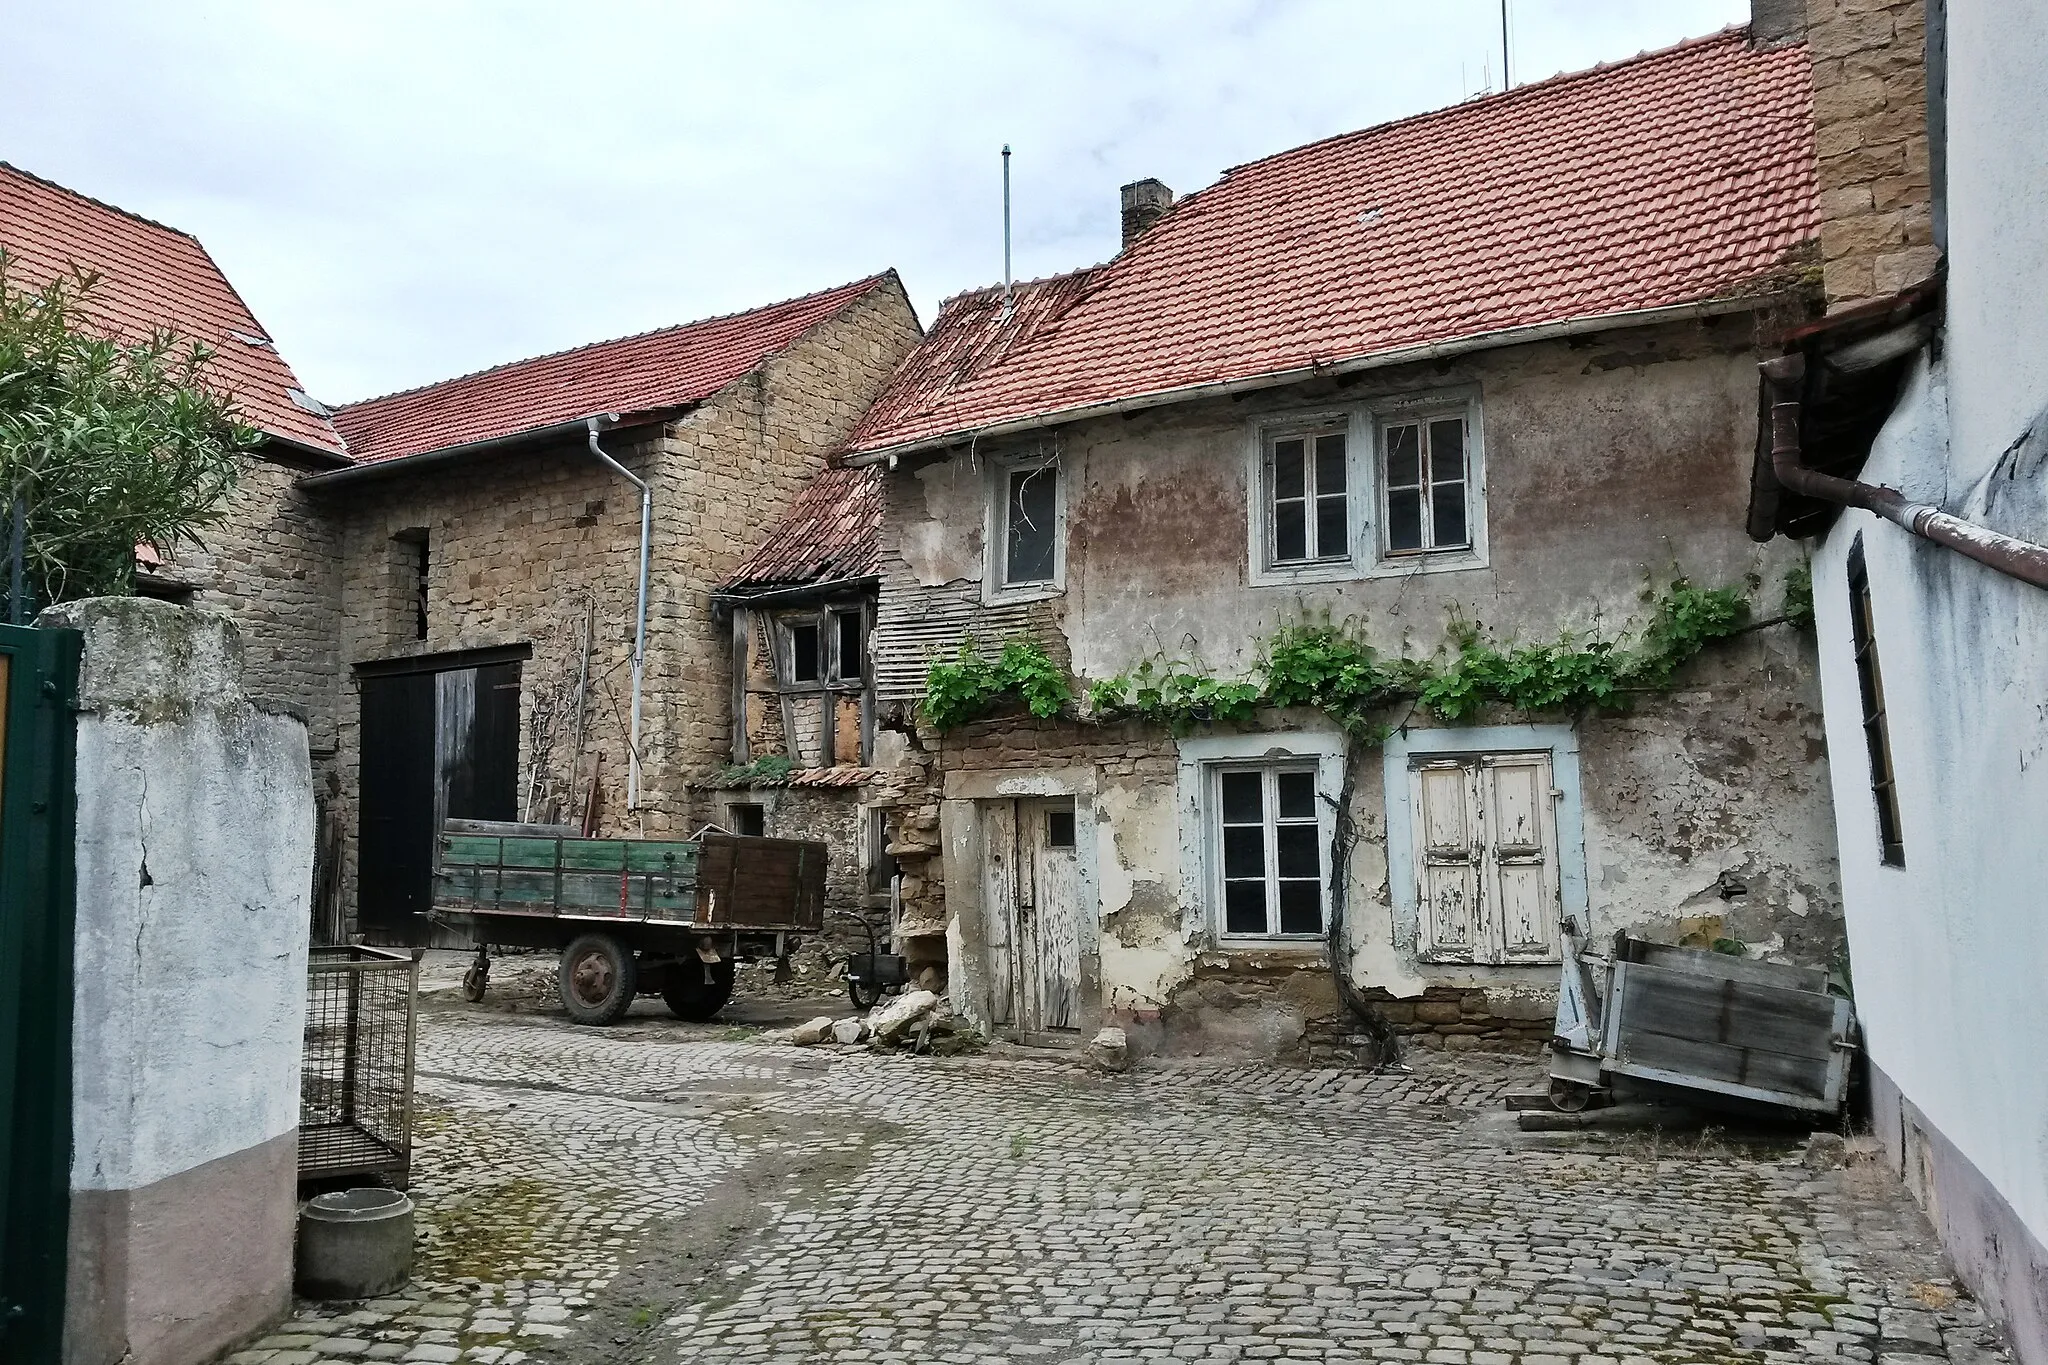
(194, 866)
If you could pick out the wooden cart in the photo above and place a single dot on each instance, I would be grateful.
(1719, 1026)
(629, 916)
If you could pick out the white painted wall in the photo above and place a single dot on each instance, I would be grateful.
(1951, 951)
(194, 862)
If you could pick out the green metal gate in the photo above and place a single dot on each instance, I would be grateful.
(38, 685)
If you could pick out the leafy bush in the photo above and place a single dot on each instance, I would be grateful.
(971, 685)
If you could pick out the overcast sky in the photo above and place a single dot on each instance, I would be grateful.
(407, 191)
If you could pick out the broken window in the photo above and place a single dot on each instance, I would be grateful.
(882, 866)
(849, 634)
(1028, 525)
(1269, 845)
(1308, 504)
(1425, 483)
(748, 818)
(802, 637)
(1877, 739)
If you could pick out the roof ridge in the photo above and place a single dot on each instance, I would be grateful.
(99, 203)
(864, 284)
(1497, 96)
(979, 289)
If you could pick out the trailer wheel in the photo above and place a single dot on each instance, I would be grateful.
(597, 979)
(690, 996)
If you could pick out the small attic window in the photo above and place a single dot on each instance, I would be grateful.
(250, 338)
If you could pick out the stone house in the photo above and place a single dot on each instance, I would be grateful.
(490, 535)
(1907, 448)
(1486, 373)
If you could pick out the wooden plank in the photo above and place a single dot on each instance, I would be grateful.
(1805, 1077)
(529, 853)
(469, 850)
(1739, 1013)
(1727, 966)
(508, 829)
(650, 855)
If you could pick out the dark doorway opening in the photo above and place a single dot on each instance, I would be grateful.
(437, 743)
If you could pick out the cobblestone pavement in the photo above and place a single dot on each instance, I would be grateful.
(664, 1193)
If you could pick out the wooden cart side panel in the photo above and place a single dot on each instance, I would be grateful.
(761, 883)
(1734, 1037)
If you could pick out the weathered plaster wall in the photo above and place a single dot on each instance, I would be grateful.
(1949, 948)
(1611, 467)
(535, 547)
(194, 862)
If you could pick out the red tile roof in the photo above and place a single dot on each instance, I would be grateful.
(1674, 177)
(829, 533)
(152, 277)
(649, 372)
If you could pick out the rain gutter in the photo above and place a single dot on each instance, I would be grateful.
(1379, 360)
(2010, 556)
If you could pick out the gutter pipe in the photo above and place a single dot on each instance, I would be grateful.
(406, 464)
(2012, 557)
(1226, 388)
(593, 425)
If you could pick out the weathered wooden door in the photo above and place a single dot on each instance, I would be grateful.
(436, 745)
(1032, 897)
(1486, 863)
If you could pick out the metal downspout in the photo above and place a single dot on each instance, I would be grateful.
(2012, 557)
(640, 623)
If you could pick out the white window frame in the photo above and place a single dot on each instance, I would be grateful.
(1365, 493)
(996, 533)
(1403, 748)
(1202, 761)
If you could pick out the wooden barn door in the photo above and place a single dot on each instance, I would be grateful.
(1032, 894)
(437, 744)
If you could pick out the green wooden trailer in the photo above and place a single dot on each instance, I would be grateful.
(630, 917)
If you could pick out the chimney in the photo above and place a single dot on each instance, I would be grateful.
(1145, 203)
(1776, 23)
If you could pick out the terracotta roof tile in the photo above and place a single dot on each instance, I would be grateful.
(649, 372)
(829, 533)
(153, 277)
(1671, 178)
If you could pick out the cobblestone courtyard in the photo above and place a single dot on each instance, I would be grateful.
(664, 1193)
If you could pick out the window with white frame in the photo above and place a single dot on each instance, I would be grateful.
(1307, 491)
(1269, 851)
(1425, 484)
(1391, 486)
(1025, 532)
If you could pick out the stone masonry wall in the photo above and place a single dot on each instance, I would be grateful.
(274, 565)
(538, 547)
(1870, 140)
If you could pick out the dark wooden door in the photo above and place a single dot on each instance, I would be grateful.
(436, 744)
(395, 837)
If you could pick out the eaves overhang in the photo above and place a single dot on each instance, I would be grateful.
(576, 429)
(1377, 360)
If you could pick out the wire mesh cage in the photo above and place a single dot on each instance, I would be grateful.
(355, 1100)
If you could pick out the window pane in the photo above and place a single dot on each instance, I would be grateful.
(1297, 856)
(1244, 907)
(1404, 456)
(1244, 851)
(803, 653)
(1404, 519)
(1448, 505)
(1034, 505)
(1447, 450)
(1329, 464)
(1332, 527)
(1301, 907)
(1288, 469)
(1243, 803)
(1059, 829)
(851, 662)
(1297, 795)
(1290, 531)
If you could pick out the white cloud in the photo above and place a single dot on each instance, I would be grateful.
(405, 191)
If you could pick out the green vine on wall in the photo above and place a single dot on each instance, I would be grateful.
(1332, 669)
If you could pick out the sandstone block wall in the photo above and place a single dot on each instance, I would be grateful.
(1870, 142)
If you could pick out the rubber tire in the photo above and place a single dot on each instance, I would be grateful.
(618, 962)
(689, 997)
(863, 998)
(475, 982)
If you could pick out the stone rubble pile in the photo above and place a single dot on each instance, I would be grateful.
(912, 1018)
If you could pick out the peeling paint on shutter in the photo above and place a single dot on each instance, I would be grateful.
(1486, 858)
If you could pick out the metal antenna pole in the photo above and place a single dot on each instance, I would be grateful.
(1007, 292)
(1507, 82)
